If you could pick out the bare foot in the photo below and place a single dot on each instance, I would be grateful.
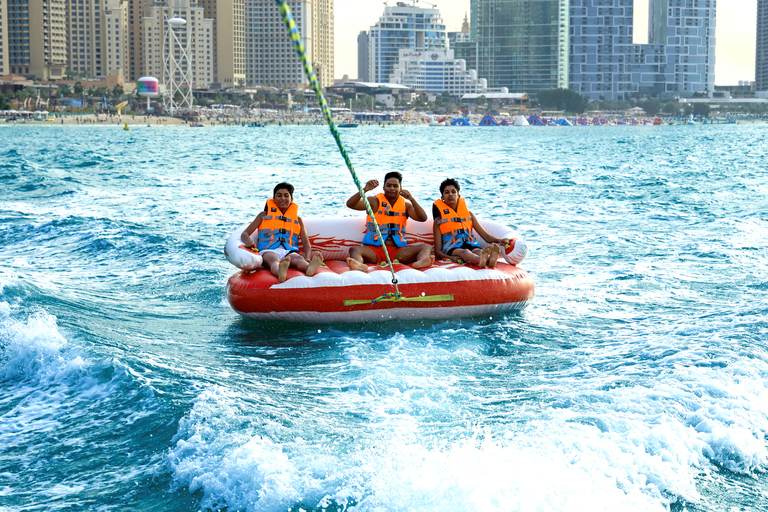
(282, 272)
(494, 256)
(426, 262)
(484, 256)
(356, 265)
(317, 260)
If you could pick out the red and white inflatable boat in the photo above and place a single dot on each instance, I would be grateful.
(337, 294)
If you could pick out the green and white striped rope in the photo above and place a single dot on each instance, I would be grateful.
(295, 35)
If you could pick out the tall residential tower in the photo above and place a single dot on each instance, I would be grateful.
(37, 38)
(678, 60)
(228, 40)
(98, 37)
(4, 67)
(271, 58)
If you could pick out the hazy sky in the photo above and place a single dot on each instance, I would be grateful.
(734, 58)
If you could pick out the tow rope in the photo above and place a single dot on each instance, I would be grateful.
(295, 36)
(293, 32)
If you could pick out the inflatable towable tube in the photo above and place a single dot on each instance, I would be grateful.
(338, 294)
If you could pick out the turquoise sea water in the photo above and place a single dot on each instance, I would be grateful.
(636, 381)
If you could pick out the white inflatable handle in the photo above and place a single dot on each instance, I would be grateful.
(238, 255)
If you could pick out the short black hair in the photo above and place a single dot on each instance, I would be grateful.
(393, 174)
(286, 186)
(449, 182)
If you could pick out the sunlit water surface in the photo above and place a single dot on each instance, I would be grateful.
(636, 381)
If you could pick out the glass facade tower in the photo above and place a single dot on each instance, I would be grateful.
(521, 44)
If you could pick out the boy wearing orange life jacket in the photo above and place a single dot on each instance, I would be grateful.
(280, 229)
(392, 209)
(452, 230)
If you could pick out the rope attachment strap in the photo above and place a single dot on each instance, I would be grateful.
(295, 36)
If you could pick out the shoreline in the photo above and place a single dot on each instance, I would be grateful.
(104, 121)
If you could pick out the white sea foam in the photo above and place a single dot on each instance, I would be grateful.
(601, 444)
(234, 465)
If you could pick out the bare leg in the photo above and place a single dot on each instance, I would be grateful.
(468, 256)
(271, 261)
(494, 256)
(355, 260)
(282, 268)
(424, 258)
(317, 259)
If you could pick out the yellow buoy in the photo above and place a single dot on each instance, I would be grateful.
(126, 127)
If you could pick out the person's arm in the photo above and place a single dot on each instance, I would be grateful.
(356, 201)
(414, 210)
(305, 241)
(484, 234)
(245, 236)
(437, 237)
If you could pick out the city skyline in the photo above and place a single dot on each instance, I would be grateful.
(735, 33)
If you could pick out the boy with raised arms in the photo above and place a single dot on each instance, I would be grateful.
(452, 230)
(280, 229)
(392, 208)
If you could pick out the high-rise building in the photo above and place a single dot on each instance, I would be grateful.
(229, 34)
(4, 68)
(436, 71)
(135, 38)
(323, 44)
(463, 46)
(402, 26)
(98, 37)
(272, 60)
(362, 56)
(678, 60)
(37, 38)
(521, 44)
(195, 36)
(602, 51)
(686, 30)
(761, 49)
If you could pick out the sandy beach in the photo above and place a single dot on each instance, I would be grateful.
(100, 120)
(140, 120)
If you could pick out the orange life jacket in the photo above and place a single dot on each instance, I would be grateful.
(278, 229)
(391, 220)
(455, 225)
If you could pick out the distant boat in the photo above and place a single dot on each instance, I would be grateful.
(195, 125)
(348, 125)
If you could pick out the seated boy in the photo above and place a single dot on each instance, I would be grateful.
(280, 228)
(452, 230)
(392, 208)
